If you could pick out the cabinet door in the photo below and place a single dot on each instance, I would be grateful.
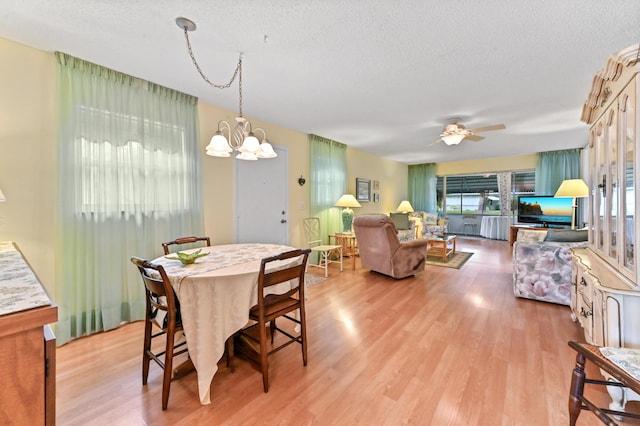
(628, 178)
(611, 136)
(601, 183)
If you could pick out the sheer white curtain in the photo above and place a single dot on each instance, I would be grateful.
(328, 182)
(129, 178)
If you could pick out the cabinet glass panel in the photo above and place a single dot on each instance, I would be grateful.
(612, 142)
(600, 195)
(628, 181)
(593, 185)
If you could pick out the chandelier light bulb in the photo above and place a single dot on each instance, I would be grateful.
(250, 144)
(247, 156)
(266, 150)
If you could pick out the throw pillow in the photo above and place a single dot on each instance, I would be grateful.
(401, 220)
(567, 235)
(531, 236)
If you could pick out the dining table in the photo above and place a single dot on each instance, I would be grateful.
(215, 295)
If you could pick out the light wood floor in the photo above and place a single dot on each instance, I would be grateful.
(449, 347)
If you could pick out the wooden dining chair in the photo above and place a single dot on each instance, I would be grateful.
(162, 312)
(275, 305)
(184, 240)
(313, 235)
(622, 373)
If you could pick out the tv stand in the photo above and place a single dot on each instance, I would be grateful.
(513, 235)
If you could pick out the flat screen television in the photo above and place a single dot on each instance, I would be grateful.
(545, 210)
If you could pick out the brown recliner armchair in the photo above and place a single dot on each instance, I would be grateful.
(381, 251)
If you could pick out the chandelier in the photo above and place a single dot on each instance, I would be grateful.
(241, 137)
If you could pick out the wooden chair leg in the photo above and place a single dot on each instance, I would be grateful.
(168, 369)
(146, 347)
(303, 335)
(230, 354)
(264, 366)
(576, 390)
(272, 329)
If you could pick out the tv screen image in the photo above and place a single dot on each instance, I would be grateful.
(545, 210)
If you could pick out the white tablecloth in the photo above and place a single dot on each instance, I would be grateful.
(215, 296)
(495, 227)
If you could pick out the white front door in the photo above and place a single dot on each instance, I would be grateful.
(262, 199)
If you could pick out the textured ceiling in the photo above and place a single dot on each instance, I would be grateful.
(379, 76)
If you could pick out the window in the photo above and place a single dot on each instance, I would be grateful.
(479, 193)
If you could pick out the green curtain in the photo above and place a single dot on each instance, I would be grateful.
(128, 178)
(328, 182)
(422, 187)
(555, 166)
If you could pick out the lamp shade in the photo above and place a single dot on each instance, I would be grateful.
(348, 200)
(573, 188)
(405, 207)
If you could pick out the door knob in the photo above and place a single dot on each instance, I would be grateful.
(283, 220)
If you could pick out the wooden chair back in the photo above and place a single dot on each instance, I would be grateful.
(277, 276)
(276, 305)
(184, 240)
(163, 311)
(158, 291)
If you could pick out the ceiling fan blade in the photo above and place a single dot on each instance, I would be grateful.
(488, 128)
(433, 143)
(474, 138)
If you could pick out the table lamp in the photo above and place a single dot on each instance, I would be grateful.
(347, 201)
(573, 188)
(405, 207)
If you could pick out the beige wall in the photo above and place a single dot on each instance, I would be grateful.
(28, 164)
(391, 175)
(218, 177)
(487, 165)
(28, 154)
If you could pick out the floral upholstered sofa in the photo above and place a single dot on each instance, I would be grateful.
(423, 225)
(542, 268)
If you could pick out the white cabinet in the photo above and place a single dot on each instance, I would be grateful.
(613, 116)
(606, 304)
(606, 294)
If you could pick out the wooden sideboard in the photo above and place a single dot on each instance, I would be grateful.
(27, 343)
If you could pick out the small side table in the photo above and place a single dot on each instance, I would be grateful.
(349, 245)
(441, 246)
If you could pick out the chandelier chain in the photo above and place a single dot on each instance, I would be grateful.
(241, 137)
(204, 77)
(239, 67)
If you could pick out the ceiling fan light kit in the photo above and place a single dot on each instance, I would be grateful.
(453, 139)
(454, 132)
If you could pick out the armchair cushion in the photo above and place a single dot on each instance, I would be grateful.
(381, 251)
(531, 235)
(566, 235)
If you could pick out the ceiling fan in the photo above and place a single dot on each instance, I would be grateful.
(454, 132)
